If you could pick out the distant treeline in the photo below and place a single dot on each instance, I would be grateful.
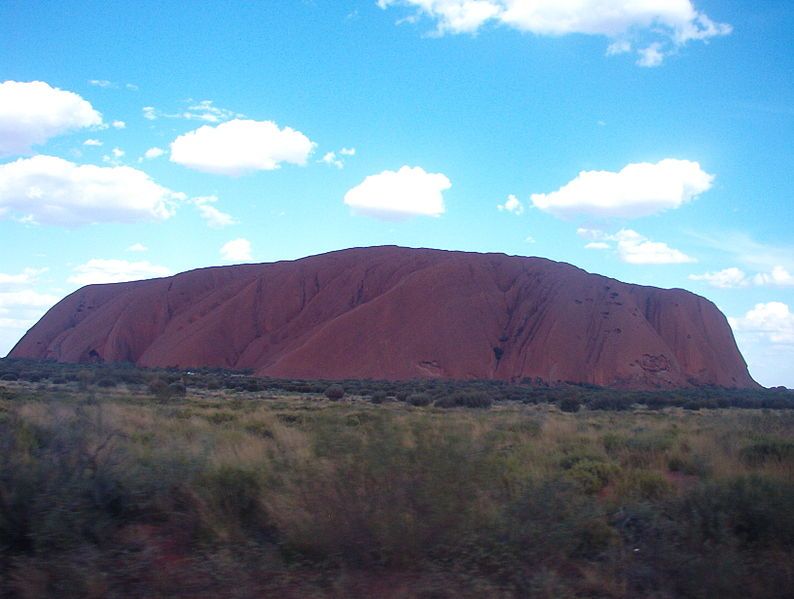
(569, 396)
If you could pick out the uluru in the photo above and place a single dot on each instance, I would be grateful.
(400, 313)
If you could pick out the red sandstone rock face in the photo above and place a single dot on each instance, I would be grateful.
(399, 313)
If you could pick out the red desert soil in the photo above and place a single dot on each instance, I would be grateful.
(400, 313)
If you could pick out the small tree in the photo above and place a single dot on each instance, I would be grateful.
(570, 404)
(335, 392)
(159, 388)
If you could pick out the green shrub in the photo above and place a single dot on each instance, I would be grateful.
(234, 498)
(419, 399)
(592, 475)
(768, 450)
(688, 464)
(176, 389)
(159, 388)
(570, 404)
(335, 392)
(644, 485)
(378, 397)
(458, 399)
(252, 386)
(755, 510)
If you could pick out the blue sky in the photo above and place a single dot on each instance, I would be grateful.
(648, 141)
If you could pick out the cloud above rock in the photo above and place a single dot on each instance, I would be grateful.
(241, 146)
(32, 112)
(633, 248)
(401, 194)
(638, 189)
(236, 250)
(53, 191)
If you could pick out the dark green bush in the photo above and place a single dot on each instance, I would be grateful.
(570, 404)
(252, 386)
(176, 389)
(592, 473)
(334, 392)
(159, 388)
(419, 399)
(458, 399)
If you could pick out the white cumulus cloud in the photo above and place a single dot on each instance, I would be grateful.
(28, 276)
(98, 270)
(727, 278)
(661, 25)
(19, 310)
(92, 142)
(241, 146)
(51, 190)
(512, 204)
(20, 305)
(213, 217)
(597, 245)
(454, 16)
(652, 56)
(765, 334)
(153, 153)
(337, 159)
(33, 112)
(236, 250)
(779, 277)
(633, 248)
(119, 124)
(396, 195)
(137, 247)
(638, 189)
(331, 159)
(735, 277)
(772, 321)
